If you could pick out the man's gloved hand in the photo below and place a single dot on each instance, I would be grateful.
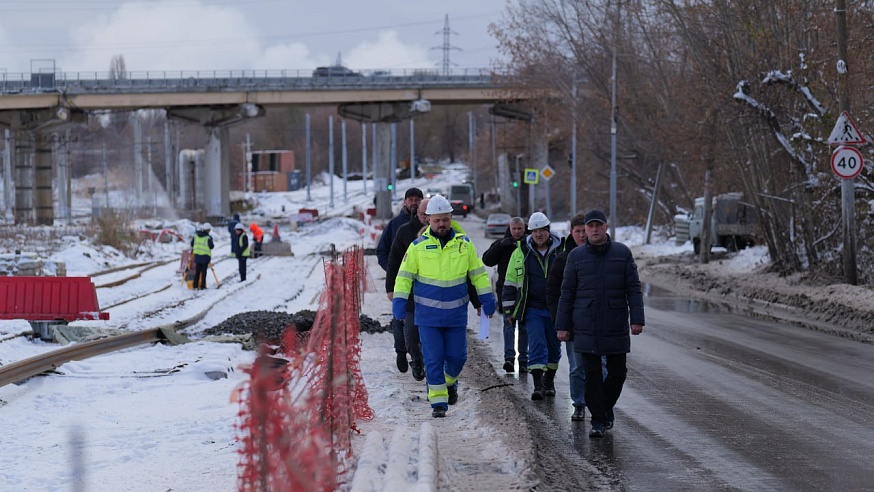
(508, 242)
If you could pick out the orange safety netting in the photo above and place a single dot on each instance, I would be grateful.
(303, 442)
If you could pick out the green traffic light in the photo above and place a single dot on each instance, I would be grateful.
(390, 186)
(515, 184)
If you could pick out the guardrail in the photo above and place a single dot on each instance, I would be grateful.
(17, 83)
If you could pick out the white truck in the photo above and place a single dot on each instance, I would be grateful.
(733, 223)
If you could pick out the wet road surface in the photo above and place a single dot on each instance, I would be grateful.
(719, 401)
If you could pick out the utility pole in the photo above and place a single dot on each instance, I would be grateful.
(247, 186)
(331, 159)
(613, 219)
(573, 207)
(848, 199)
(345, 160)
(412, 151)
(308, 161)
(471, 145)
(364, 156)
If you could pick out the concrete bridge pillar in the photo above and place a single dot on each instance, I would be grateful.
(217, 177)
(33, 178)
(382, 171)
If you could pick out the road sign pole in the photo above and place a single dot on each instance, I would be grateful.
(848, 196)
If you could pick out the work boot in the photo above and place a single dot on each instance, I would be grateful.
(549, 382)
(537, 374)
(453, 394)
(402, 363)
(579, 414)
(418, 371)
(508, 366)
(439, 411)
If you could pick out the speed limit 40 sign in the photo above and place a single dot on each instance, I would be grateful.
(847, 162)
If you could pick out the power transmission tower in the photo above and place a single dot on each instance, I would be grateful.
(447, 46)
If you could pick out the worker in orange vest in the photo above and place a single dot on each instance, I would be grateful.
(258, 235)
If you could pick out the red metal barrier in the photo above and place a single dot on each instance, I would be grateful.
(49, 299)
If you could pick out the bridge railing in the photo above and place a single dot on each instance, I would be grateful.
(14, 83)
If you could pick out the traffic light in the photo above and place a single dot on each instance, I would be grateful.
(390, 187)
(515, 183)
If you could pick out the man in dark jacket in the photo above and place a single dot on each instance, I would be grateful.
(232, 223)
(411, 205)
(599, 293)
(240, 247)
(576, 373)
(499, 254)
(408, 342)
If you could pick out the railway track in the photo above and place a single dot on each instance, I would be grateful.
(21, 370)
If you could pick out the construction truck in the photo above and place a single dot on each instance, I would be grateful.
(733, 223)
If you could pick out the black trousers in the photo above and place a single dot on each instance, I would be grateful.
(242, 262)
(200, 275)
(602, 394)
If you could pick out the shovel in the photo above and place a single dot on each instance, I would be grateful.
(217, 283)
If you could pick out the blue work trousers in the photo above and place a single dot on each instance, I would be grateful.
(544, 349)
(510, 338)
(445, 352)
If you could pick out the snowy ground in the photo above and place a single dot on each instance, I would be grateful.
(149, 419)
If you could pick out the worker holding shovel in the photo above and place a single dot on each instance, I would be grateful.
(201, 246)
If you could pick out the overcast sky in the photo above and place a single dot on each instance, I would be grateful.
(83, 35)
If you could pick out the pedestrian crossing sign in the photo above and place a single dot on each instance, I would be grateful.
(532, 176)
(845, 132)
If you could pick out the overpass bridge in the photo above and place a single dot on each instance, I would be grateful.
(36, 104)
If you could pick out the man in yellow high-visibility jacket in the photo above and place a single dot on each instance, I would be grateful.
(436, 268)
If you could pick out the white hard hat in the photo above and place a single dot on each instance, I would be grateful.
(537, 221)
(438, 205)
(239, 227)
(206, 226)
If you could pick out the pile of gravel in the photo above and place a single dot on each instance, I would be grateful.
(268, 326)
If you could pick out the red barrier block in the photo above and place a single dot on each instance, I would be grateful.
(49, 299)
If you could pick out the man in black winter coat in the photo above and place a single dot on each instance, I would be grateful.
(577, 375)
(407, 340)
(411, 204)
(412, 198)
(499, 254)
(232, 223)
(600, 293)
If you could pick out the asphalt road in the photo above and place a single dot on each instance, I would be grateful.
(718, 401)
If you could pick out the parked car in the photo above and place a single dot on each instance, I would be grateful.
(334, 71)
(497, 224)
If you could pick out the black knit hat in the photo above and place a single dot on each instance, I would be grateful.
(414, 192)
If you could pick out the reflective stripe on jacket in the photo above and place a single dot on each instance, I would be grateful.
(525, 261)
(437, 275)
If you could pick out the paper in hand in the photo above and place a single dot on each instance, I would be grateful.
(483, 326)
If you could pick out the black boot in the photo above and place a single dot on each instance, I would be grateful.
(549, 382)
(537, 374)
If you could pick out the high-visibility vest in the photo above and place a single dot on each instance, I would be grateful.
(201, 246)
(245, 251)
